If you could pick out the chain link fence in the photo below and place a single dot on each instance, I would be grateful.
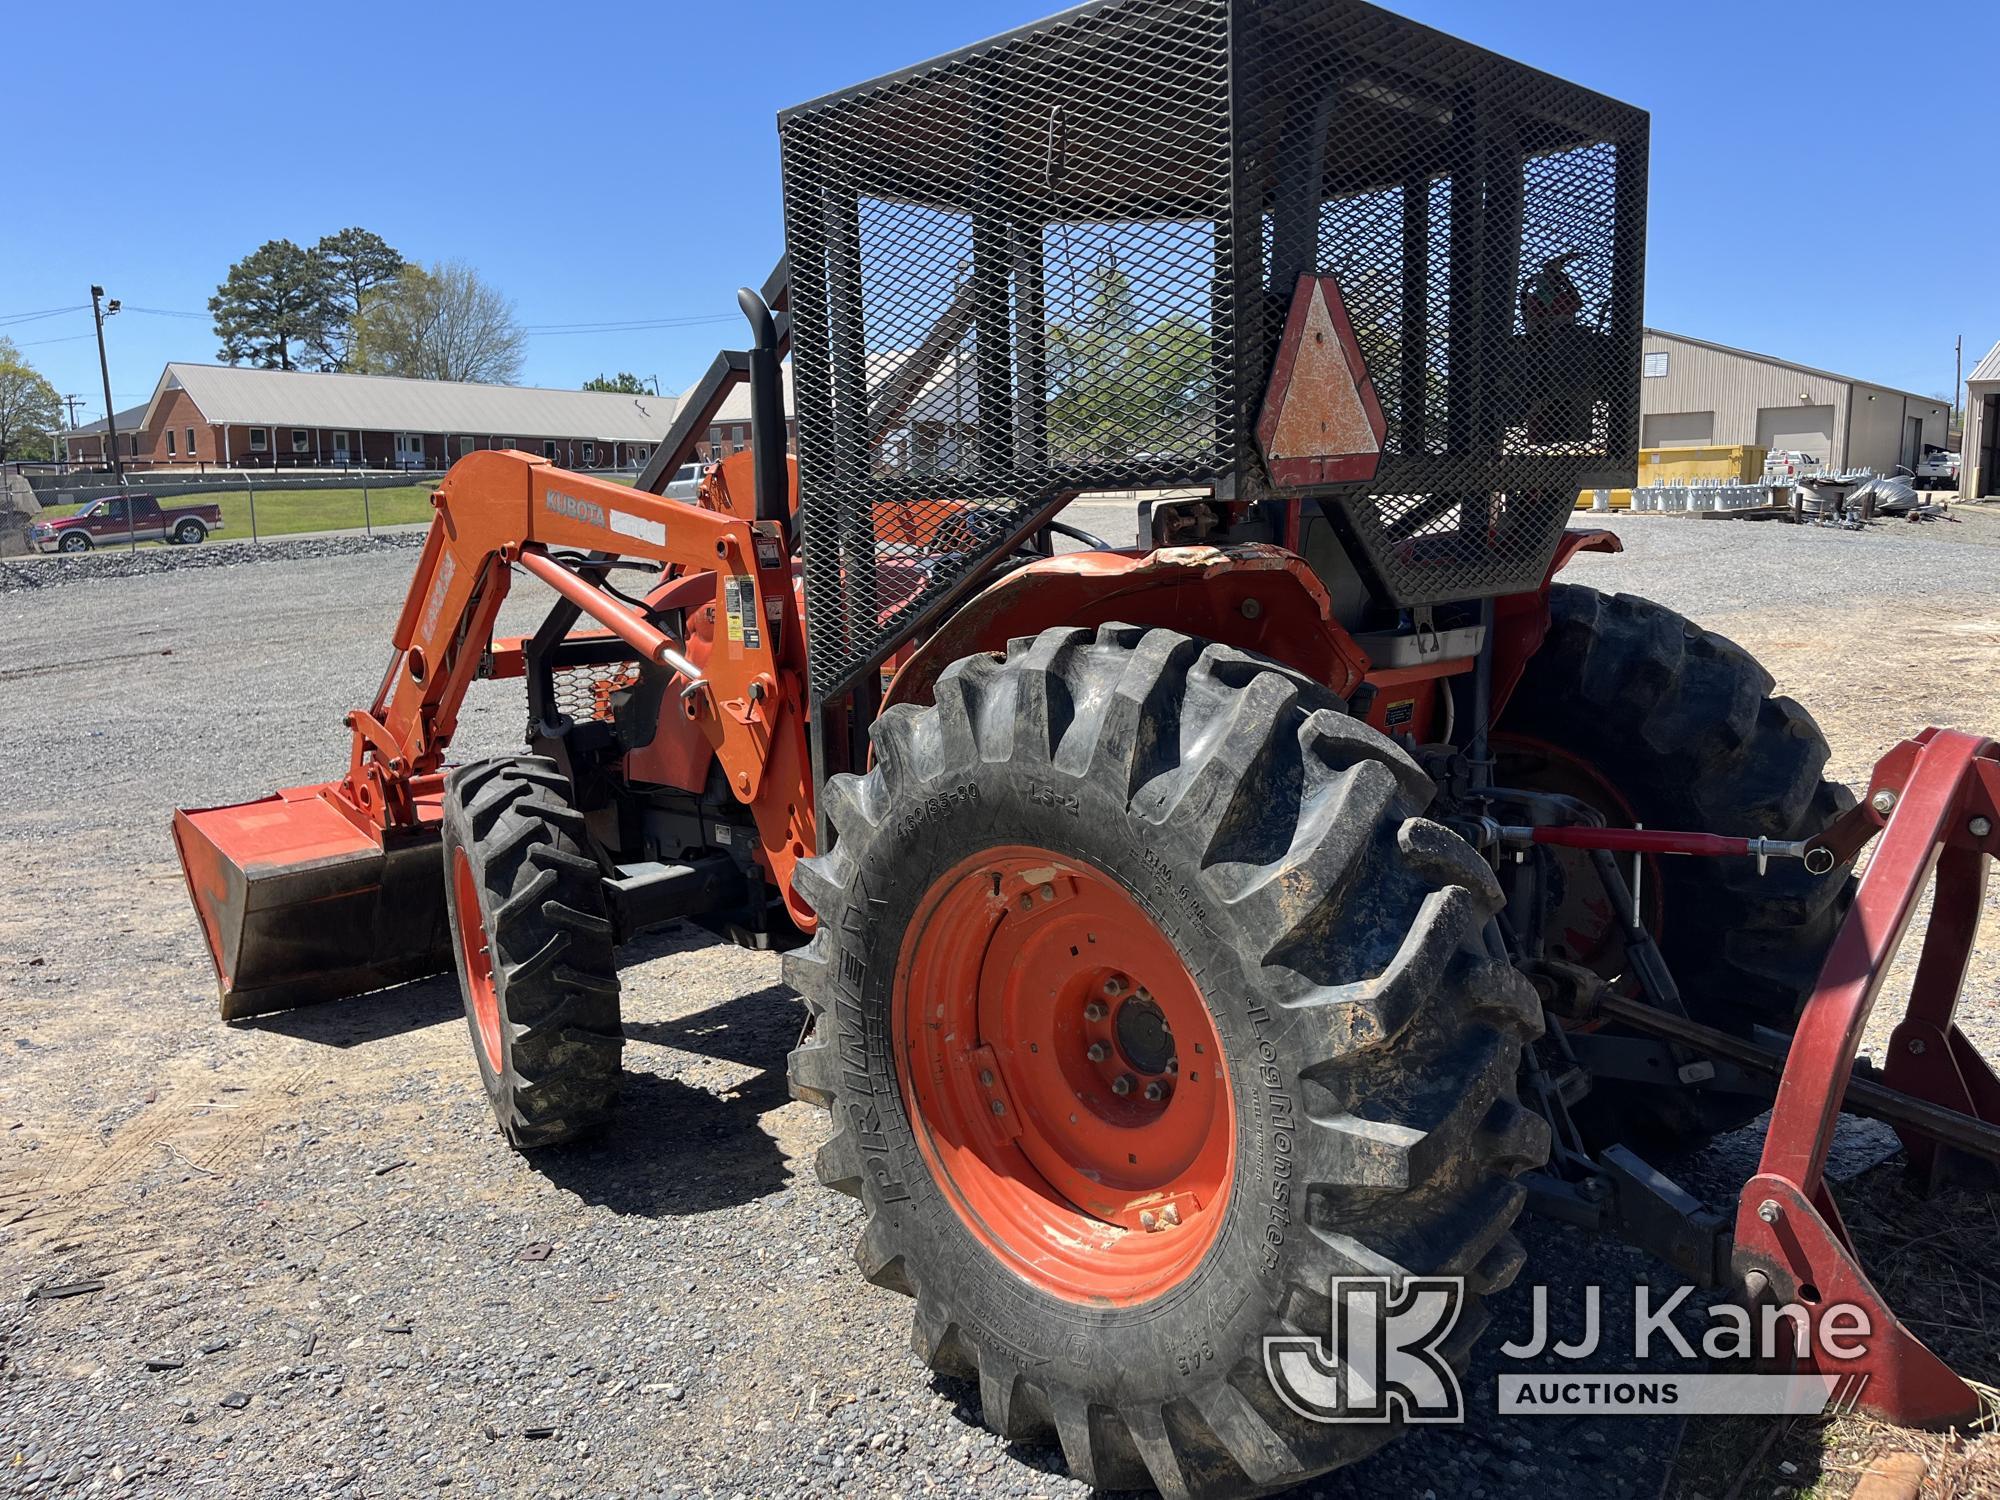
(83, 513)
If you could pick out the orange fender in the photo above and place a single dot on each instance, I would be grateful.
(1256, 597)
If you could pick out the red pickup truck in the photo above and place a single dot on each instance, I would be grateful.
(118, 519)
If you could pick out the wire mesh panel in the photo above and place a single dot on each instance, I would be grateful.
(583, 693)
(1484, 222)
(1062, 260)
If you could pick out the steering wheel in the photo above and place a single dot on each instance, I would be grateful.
(979, 529)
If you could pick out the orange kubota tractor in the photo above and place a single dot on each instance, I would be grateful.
(1181, 926)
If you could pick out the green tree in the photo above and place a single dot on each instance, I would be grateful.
(277, 307)
(357, 261)
(30, 409)
(1119, 385)
(440, 323)
(624, 383)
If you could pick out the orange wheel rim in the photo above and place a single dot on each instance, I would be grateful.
(1063, 1075)
(477, 954)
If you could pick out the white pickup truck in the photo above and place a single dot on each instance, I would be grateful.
(1937, 469)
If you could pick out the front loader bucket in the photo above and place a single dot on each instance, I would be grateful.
(299, 902)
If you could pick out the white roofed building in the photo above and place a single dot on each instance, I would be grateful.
(235, 417)
(940, 414)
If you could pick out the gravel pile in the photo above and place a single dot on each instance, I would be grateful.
(45, 572)
(321, 1270)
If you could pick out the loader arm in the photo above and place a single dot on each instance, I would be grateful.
(292, 887)
(502, 510)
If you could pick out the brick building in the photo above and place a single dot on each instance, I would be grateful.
(943, 415)
(85, 444)
(729, 432)
(232, 417)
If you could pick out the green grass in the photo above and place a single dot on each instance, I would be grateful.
(288, 512)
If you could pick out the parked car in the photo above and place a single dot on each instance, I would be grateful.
(686, 483)
(117, 519)
(1937, 469)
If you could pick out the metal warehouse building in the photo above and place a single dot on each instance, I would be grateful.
(1982, 427)
(1698, 394)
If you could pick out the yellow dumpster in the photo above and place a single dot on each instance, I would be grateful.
(1742, 463)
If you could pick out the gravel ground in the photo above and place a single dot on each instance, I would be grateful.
(324, 1274)
(22, 573)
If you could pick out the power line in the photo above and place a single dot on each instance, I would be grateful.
(613, 325)
(629, 325)
(36, 343)
(9, 319)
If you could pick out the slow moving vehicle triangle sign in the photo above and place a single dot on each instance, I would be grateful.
(1322, 422)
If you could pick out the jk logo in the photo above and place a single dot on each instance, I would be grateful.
(1379, 1359)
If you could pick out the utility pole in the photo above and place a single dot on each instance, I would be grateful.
(656, 383)
(72, 401)
(100, 313)
(1957, 384)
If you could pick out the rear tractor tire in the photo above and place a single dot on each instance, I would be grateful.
(1654, 720)
(1145, 1002)
(532, 941)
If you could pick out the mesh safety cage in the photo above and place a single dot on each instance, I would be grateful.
(1060, 261)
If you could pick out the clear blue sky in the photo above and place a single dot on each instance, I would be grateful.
(616, 162)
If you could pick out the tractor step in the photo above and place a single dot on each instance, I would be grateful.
(647, 894)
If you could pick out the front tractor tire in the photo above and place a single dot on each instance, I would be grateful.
(1145, 1002)
(532, 941)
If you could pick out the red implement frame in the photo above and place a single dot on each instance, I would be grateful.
(1941, 795)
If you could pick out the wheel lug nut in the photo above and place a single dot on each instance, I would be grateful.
(1156, 1091)
(1095, 1011)
(1173, 1066)
(1098, 1052)
(1114, 986)
(1122, 1084)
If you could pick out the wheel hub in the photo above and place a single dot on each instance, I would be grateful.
(1064, 1075)
(1144, 1035)
(1581, 926)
